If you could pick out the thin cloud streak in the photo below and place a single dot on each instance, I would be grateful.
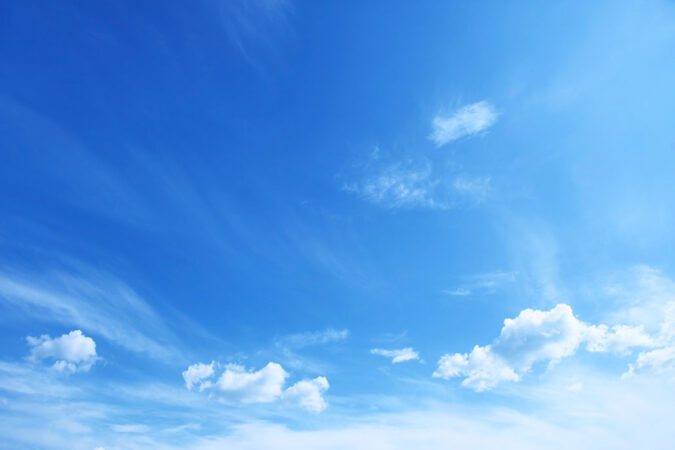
(466, 121)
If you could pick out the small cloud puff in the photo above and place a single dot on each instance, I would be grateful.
(72, 352)
(307, 394)
(196, 373)
(398, 356)
(240, 385)
(466, 121)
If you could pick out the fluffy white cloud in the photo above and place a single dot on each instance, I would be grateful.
(535, 336)
(198, 374)
(482, 369)
(262, 386)
(308, 394)
(398, 356)
(238, 384)
(72, 352)
(466, 121)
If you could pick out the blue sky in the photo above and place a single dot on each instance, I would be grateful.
(327, 225)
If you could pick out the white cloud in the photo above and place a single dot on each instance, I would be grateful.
(535, 336)
(660, 361)
(398, 356)
(308, 394)
(482, 369)
(197, 374)
(262, 386)
(618, 339)
(647, 300)
(466, 121)
(72, 352)
(240, 385)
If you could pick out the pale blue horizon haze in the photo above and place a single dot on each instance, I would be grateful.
(372, 225)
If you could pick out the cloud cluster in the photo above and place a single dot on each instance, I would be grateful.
(652, 302)
(466, 121)
(397, 356)
(536, 336)
(403, 184)
(240, 385)
(72, 352)
(430, 183)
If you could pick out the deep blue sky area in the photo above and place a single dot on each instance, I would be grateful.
(324, 225)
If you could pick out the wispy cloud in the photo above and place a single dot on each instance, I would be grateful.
(314, 338)
(405, 184)
(485, 282)
(91, 301)
(131, 428)
(466, 121)
(475, 188)
(254, 25)
(397, 356)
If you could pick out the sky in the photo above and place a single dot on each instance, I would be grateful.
(374, 225)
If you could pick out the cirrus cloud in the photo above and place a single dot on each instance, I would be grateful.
(466, 121)
(397, 356)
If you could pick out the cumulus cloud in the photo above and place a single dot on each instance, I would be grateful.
(659, 361)
(398, 356)
(262, 386)
(482, 368)
(466, 121)
(197, 374)
(307, 394)
(238, 384)
(536, 336)
(72, 352)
